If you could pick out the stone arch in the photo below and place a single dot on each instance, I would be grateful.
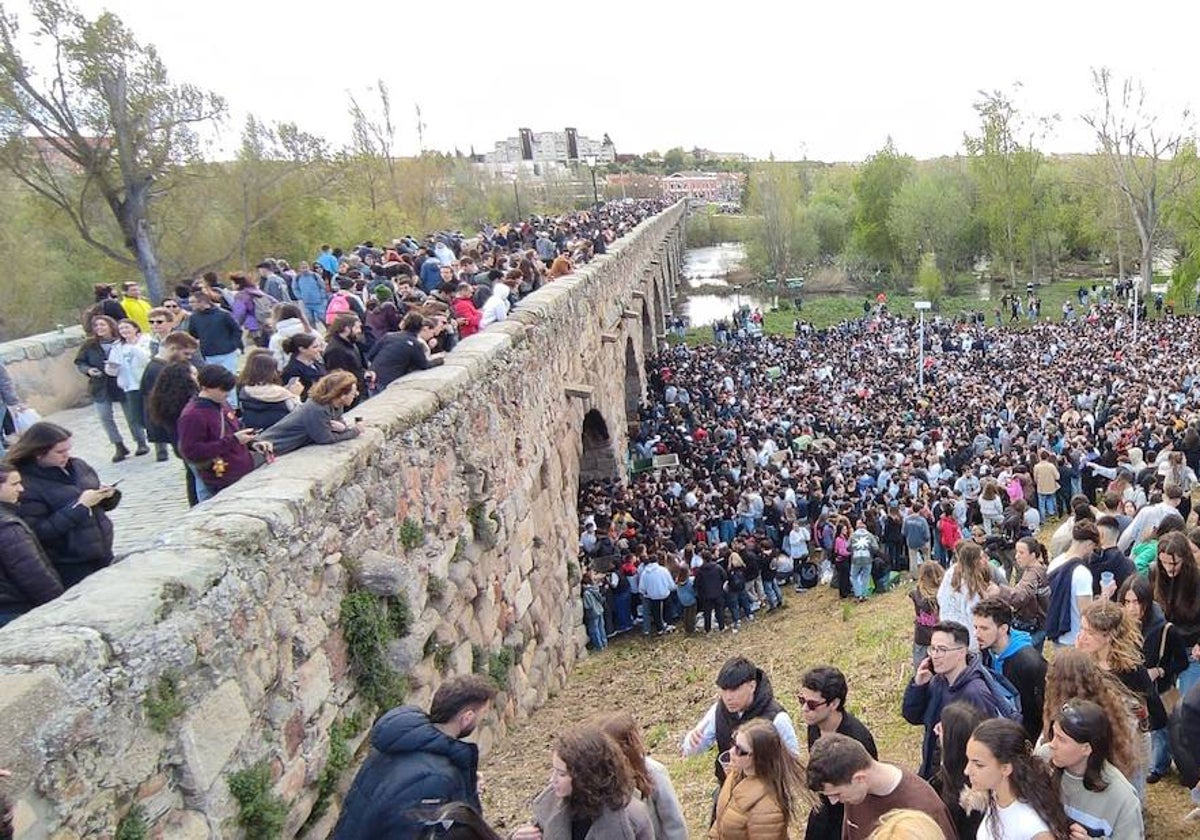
(648, 331)
(662, 295)
(599, 459)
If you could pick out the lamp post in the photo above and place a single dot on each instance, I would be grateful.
(921, 306)
(590, 160)
(517, 194)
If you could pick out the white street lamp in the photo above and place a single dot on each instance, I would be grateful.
(921, 306)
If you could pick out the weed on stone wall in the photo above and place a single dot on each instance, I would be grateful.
(436, 587)
(163, 702)
(133, 825)
(260, 812)
(412, 535)
(500, 665)
(369, 624)
(336, 764)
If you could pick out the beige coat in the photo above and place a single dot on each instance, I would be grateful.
(747, 810)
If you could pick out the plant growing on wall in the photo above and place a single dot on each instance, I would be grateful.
(369, 624)
(260, 812)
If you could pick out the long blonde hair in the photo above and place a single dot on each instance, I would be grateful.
(1124, 636)
(907, 824)
(929, 579)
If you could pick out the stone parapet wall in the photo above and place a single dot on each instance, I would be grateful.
(43, 368)
(225, 633)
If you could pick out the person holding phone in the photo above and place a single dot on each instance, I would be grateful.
(211, 438)
(64, 502)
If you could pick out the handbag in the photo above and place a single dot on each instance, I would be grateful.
(1170, 697)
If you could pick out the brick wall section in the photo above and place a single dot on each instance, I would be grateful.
(241, 597)
(43, 368)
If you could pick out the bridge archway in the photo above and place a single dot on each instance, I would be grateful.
(634, 389)
(599, 459)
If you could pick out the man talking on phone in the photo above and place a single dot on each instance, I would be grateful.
(949, 673)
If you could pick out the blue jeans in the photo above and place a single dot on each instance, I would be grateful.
(773, 592)
(1046, 505)
(860, 576)
(1189, 677)
(595, 631)
(1160, 752)
(622, 601)
(203, 493)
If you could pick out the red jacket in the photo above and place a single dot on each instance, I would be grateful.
(948, 532)
(464, 309)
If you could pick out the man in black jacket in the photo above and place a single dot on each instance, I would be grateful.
(822, 697)
(1011, 654)
(344, 350)
(402, 352)
(418, 763)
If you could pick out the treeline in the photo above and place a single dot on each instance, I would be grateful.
(1031, 215)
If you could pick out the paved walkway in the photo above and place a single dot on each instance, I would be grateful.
(153, 494)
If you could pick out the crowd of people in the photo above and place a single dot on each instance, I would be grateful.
(228, 375)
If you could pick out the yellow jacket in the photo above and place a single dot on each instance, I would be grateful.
(747, 810)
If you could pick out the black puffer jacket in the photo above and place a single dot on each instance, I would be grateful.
(412, 770)
(102, 388)
(77, 540)
(26, 577)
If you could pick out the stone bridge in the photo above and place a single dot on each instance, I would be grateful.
(251, 639)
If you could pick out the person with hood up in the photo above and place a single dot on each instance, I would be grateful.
(745, 694)
(496, 307)
(418, 763)
(1010, 653)
(950, 672)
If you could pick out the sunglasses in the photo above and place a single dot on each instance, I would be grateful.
(812, 705)
(158, 321)
(737, 749)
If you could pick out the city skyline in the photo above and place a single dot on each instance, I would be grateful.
(817, 83)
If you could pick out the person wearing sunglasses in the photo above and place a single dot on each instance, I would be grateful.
(1097, 798)
(822, 699)
(764, 790)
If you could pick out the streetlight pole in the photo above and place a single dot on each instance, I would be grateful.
(590, 160)
(921, 306)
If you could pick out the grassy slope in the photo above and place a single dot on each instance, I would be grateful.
(668, 683)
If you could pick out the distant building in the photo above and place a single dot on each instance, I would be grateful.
(703, 186)
(704, 155)
(538, 151)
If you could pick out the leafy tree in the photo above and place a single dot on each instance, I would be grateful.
(102, 127)
(673, 160)
(930, 285)
(782, 240)
(931, 214)
(875, 187)
(1005, 168)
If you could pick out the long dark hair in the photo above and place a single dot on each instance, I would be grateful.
(959, 720)
(1030, 778)
(1178, 596)
(1087, 723)
(35, 442)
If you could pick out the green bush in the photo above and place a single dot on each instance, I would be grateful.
(163, 703)
(133, 825)
(412, 535)
(336, 764)
(500, 665)
(260, 812)
(369, 625)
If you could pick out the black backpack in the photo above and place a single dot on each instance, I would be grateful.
(1058, 614)
(807, 574)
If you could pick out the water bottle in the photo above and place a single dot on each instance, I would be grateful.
(1106, 578)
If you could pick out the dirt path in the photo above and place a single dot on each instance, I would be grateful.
(668, 683)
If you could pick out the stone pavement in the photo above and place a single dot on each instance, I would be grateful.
(153, 493)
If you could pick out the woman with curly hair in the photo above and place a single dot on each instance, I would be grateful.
(172, 391)
(1113, 640)
(1073, 675)
(649, 777)
(1094, 793)
(765, 789)
(590, 795)
(1021, 803)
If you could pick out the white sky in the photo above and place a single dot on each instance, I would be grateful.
(828, 80)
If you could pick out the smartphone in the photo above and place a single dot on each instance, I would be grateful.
(357, 419)
(115, 483)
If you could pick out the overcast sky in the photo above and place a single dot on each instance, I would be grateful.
(826, 80)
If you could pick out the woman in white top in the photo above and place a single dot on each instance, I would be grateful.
(127, 361)
(1020, 801)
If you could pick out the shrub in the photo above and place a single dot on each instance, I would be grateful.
(368, 626)
(163, 703)
(260, 812)
(412, 535)
(133, 825)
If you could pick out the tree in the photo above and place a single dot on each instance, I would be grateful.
(1143, 157)
(103, 126)
(929, 279)
(1005, 169)
(875, 187)
(931, 214)
(673, 160)
(782, 241)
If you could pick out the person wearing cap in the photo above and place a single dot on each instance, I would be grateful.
(745, 694)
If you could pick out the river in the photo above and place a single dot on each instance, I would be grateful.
(706, 268)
